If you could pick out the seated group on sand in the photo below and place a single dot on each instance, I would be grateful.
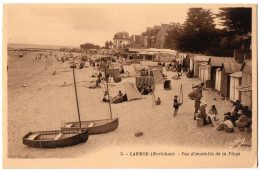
(144, 89)
(240, 117)
(117, 99)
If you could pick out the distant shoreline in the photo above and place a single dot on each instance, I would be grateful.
(36, 46)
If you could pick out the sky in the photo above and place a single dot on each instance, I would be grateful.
(72, 25)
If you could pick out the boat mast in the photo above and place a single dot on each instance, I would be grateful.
(108, 95)
(76, 96)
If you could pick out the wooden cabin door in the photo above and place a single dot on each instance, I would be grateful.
(232, 89)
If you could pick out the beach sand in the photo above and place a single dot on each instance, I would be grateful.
(44, 105)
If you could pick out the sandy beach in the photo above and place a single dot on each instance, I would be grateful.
(43, 104)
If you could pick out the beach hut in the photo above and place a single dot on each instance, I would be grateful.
(196, 61)
(228, 68)
(235, 80)
(246, 87)
(204, 72)
(144, 80)
(218, 79)
(216, 64)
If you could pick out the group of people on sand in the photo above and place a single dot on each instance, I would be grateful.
(144, 89)
(120, 97)
(240, 117)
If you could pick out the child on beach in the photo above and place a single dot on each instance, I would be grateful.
(175, 105)
(158, 101)
(213, 113)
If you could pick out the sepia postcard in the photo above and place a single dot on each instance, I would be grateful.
(129, 86)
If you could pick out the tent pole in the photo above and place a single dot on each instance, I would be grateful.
(108, 96)
(75, 86)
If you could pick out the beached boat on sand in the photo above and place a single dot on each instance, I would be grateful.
(94, 126)
(55, 139)
(60, 138)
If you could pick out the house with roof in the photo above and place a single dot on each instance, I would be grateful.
(121, 40)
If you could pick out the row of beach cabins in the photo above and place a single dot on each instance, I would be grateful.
(229, 76)
(231, 79)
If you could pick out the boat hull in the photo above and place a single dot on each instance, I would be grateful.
(75, 138)
(99, 127)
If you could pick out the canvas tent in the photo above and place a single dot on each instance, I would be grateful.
(113, 72)
(159, 67)
(157, 75)
(126, 87)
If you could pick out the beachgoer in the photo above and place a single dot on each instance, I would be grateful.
(175, 105)
(158, 101)
(202, 114)
(213, 113)
(242, 121)
(227, 125)
(119, 94)
(238, 107)
(197, 107)
(248, 114)
(105, 98)
(197, 100)
(144, 90)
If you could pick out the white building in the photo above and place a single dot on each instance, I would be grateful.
(121, 40)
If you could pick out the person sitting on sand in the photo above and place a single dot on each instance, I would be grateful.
(203, 115)
(158, 101)
(213, 113)
(105, 98)
(120, 95)
(119, 98)
(139, 88)
(149, 88)
(238, 107)
(98, 81)
(248, 114)
(227, 125)
(242, 121)
(144, 90)
(122, 71)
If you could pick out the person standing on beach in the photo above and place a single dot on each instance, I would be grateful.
(175, 105)
(197, 100)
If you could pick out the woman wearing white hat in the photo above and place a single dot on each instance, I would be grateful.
(242, 120)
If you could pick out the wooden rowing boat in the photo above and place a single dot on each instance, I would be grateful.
(60, 138)
(94, 126)
(55, 139)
